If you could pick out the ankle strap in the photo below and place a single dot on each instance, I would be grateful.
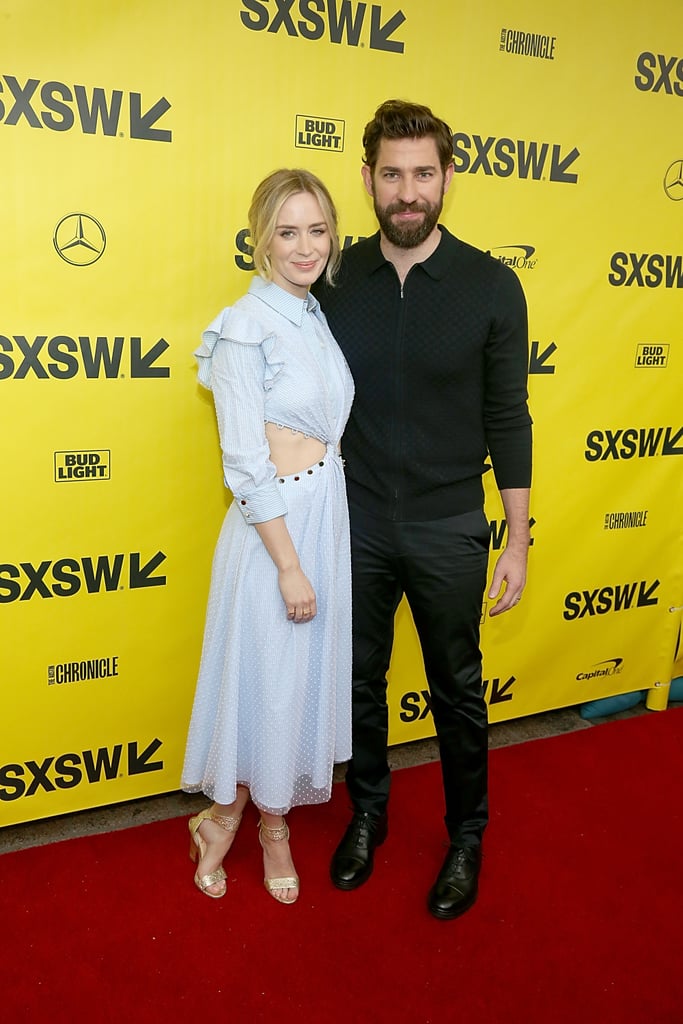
(280, 832)
(225, 821)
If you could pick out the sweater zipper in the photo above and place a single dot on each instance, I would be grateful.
(398, 422)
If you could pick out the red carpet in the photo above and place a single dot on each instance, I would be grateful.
(578, 920)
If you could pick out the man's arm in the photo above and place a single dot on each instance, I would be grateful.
(511, 565)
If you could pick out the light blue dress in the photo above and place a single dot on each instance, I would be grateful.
(272, 708)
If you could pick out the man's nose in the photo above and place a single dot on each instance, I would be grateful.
(407, 192)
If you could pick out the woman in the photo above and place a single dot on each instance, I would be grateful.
(272, 707)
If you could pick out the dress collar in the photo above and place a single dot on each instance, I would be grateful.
(283, 302)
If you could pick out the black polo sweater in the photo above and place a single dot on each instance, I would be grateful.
(440, 368)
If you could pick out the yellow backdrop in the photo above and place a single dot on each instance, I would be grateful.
(133, 133)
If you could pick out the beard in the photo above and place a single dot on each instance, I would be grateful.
(408, 236)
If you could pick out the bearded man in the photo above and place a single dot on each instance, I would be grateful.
(435, 334)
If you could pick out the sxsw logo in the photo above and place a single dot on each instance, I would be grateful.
(69, 770)
(64, 358)
(319, 133)
(652, 355)
(66, 577)
(61, 108)
(658, 72)
(539, 361)
(633, 443)
(83, 465)
(342, 21)
(603, 600)
(646, 270)
(505, 158)
(416, 705)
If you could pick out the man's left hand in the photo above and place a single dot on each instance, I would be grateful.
(511, 570)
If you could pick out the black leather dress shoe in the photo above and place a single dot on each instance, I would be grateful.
(455, 889)
(353, 859)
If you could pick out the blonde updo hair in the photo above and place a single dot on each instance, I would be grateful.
(265, 208)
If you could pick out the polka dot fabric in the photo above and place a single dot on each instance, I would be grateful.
(272, 707)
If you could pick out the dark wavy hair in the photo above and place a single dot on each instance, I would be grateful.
(398, 119)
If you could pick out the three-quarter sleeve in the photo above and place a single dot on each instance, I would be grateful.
(234, 368)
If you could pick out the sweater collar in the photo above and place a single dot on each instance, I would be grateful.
(435, 265)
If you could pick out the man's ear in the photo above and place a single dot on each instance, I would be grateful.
(366, 174)
(448, 177)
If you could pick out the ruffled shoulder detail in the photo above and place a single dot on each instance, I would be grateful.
(237, 326)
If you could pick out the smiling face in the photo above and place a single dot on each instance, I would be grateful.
(300, 246)
(407, 186)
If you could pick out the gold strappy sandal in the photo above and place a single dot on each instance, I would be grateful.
(198, 848)
(274, 884)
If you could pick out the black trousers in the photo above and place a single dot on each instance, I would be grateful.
(441, 567)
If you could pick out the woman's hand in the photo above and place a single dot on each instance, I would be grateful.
(298, 594)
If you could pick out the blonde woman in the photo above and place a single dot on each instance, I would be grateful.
(272, 708)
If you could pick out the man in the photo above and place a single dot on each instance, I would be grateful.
(435, 333)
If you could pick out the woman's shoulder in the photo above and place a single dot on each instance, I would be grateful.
(247, 324)
(242, 322)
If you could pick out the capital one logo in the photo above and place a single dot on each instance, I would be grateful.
(342, 21)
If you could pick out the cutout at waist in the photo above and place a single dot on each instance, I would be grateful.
(292, 451)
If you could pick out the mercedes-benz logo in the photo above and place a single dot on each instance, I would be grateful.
(673, 181)
(79, 239)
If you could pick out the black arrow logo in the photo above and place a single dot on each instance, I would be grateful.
(671, 444)
(141, 576)
(537, 362)
(558, 166)
(141, 363)
(645, 596)
(141, 124)
(379, 34)
(140, 763)
(499, 693)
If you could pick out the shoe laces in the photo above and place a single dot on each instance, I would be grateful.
(460, 858)
(361, 827)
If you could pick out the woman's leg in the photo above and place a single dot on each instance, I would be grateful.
(277, 858)
(218, 838)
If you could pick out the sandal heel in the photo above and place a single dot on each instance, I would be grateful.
(198, 849)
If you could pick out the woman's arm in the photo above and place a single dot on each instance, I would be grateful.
(296, 590)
